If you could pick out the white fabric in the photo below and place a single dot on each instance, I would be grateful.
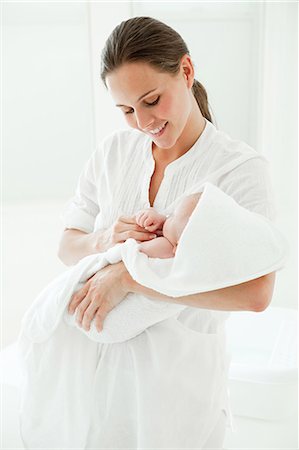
(223, 244)
(165, 387)
(216, 438)
(115, 180)
(213, 253)
(128, 319)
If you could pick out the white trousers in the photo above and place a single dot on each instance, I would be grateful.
(216, 438)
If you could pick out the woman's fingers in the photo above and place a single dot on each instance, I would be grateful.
(136, 227)
(98, 310)
(82, 309)
(127, 219)
(138, 235)
(103, 292)
(100, 316)
(126, 227)
(77, 298)
(89, 314)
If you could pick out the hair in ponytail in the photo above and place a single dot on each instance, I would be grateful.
(149, 40)
(201, 97)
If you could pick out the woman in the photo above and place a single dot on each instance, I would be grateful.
(143, 400)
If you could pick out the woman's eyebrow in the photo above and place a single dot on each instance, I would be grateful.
(144, 95)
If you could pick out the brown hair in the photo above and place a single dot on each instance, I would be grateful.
(149, 40)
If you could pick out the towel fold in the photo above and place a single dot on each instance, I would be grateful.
(223, 244)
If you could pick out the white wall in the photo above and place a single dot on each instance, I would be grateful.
(48, 133)
(278, 137)
(31, 233)
(47, 103)
(103, 18)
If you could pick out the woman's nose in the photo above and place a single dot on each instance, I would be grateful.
(144, 120)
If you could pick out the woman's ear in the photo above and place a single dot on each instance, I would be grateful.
(188, 70)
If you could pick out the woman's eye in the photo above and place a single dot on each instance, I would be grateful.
(154, 103)
(148, 104)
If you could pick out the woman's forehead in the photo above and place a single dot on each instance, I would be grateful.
(136, 69)
(131, 82)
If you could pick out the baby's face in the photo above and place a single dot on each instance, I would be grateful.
(170, 229)
(175, 224)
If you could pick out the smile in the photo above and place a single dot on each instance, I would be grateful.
(159, 131)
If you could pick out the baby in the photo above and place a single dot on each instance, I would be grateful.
(171, 227)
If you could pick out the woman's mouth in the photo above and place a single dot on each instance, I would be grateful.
(160, 132)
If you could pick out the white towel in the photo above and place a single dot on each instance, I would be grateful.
(223, 244)
(128, 319)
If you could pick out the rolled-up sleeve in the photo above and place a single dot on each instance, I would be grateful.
(250, 185)
(81, 210)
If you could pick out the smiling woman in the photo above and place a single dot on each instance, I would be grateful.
(167, 386)
(168, 113)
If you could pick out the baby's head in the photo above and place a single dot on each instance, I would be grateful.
(176, 222)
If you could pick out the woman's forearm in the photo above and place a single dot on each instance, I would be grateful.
(253, 295)
(75, 245)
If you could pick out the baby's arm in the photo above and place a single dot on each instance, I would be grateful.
(157, 248)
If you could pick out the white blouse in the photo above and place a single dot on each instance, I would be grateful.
(166, 387)
(115, 180)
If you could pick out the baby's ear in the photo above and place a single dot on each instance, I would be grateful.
(174, 249)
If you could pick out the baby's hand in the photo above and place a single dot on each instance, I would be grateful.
(150, 219)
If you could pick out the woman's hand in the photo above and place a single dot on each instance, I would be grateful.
(123, 228)
(99, 295)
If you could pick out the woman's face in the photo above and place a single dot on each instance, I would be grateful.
(150, 99)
